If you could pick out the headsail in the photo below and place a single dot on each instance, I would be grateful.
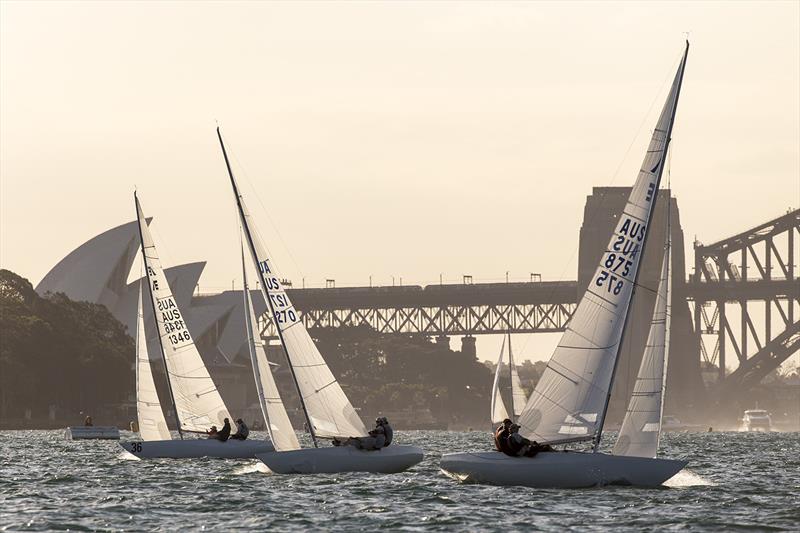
(329, 411)
(518, 399)
(197, 401)
(152, 425)
(641, 427)
(499, 412)
(571, 398)
(278, 425)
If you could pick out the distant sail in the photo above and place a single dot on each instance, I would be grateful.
(641, 427)
(152, 425)
(499, 412)
(518, 398)
(330, 412)
(197, 401)
(278, 425)
(570, 400)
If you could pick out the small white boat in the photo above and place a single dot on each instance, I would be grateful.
(559, 469)
(756, 420)
(91, 432)
(193, 448)
(389, 460)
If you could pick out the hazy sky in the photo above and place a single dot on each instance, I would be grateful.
(402, 139)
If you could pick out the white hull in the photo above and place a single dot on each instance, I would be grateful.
(333, 460)
(193, 448)
(559, 469)
(92, 432)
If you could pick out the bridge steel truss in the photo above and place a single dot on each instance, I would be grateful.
(746, 298)
(436, 310)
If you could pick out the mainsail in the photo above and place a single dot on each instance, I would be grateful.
(499, 412)
(571, 398)
(197, 401)
(278, 425)
(518, 399)
(641, 427)
(152, 425)
(329, 412)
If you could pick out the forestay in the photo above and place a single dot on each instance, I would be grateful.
(641, 427)
(278, 425)
(570, 399)
(518, 399)
(197, 401)
(152, 425)
(329, 411)
(499, 412)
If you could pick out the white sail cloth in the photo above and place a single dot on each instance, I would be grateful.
(152, 425)
(641, 427)
(499, 411)
(330, 412)
(197, 401)
(278, 425)
(518, 398)
(570, 399)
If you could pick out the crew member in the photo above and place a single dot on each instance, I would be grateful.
(501, 435)
(242, 430)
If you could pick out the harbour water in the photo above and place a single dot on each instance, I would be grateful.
(733, 481)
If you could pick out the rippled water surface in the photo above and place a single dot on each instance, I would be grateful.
(733, 481)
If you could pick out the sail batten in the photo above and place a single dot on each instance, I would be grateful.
(152, 424)
(197, 401)
(589, 347)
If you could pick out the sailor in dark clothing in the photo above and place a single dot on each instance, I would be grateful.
(519, 446)
(501, 434)
(224, 433)
(242, 431)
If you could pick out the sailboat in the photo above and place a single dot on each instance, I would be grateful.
(570, 401)
(194, 396)
(518, 399)
(327, 410)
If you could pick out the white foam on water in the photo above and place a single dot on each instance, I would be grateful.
(687, 478)
(252, 468)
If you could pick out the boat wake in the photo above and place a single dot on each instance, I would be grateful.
(686, 478)
(252, 468)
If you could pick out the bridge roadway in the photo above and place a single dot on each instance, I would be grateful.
(481, 308)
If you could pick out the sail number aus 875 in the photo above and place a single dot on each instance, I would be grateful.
(612, 282)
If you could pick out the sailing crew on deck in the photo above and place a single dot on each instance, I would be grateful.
(519, 446)
(223, 434)
(88, 421)
(212, 433)
(501, 435)
(242, 431)
(378, 438)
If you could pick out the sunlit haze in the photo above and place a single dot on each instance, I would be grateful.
(397, 141)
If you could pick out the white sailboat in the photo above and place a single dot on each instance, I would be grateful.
(570, 401)
(518, 399)
(329, 414)
(195, 398)
(641, 428)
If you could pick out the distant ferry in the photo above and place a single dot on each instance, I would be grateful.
(756, 420)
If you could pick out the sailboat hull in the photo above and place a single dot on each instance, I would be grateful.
(389, 460)
(194, 448)
(559, 469)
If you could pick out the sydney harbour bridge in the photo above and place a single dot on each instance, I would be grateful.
(734, 316)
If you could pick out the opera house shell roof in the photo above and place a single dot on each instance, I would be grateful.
(98, 270)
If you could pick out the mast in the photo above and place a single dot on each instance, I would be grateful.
(643, 248)
(153, 305)
(251, 245)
